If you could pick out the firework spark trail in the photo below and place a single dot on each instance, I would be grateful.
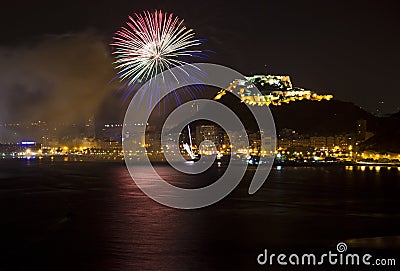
(152, 43)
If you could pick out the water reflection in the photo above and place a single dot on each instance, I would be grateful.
(376, 169)
(91, 216)
(314, 202)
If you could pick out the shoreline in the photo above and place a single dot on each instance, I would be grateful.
(86, 159)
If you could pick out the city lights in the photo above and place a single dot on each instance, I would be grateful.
(277, 90)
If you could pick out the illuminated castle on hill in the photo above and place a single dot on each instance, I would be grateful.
(275, 90)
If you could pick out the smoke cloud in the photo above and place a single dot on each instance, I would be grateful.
(60, 79)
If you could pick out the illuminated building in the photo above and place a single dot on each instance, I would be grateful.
(344, 141)
(318, 142)
(89, 130)
(110, 145)
(208, 132)
(275, 90)
(301, 142)
(110, 132)
(330, 142)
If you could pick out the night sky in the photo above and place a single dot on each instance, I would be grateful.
(52, 50)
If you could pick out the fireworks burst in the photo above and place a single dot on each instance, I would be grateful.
(152, 43)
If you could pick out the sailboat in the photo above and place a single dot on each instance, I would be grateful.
(189, 147)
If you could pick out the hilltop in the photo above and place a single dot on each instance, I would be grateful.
(310, 117)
